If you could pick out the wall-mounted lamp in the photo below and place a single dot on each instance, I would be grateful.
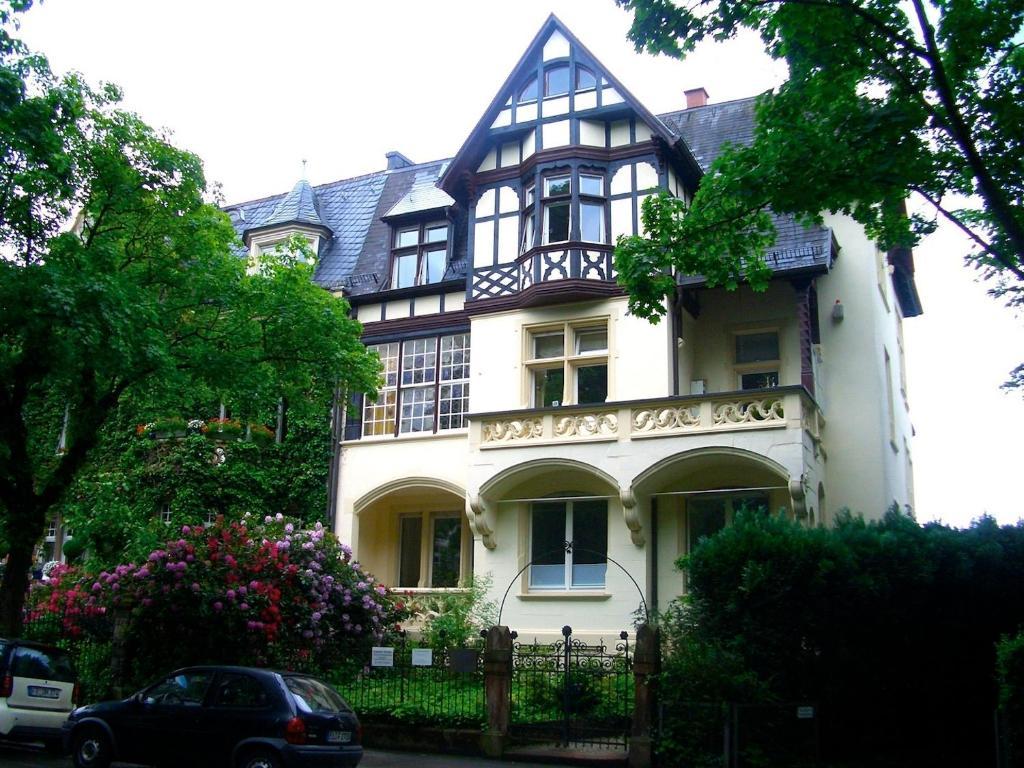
(838, 312)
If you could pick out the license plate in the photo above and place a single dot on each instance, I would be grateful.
(339, 737)
(39, 692)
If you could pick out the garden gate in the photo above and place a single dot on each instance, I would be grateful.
(570, 693)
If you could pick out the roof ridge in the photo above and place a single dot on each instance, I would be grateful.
(709, 106)
(326, 184)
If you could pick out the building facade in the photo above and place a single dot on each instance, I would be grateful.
(528, 428)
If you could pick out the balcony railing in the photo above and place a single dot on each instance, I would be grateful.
(776, 408)
(548, 263)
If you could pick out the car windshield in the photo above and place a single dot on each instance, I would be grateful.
(314, 696)
(42, 664)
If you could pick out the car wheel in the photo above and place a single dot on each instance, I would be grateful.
(261, 759)
(91, 749)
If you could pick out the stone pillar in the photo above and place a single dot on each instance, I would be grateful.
(646, 665)
(119, 650)
(497, 690)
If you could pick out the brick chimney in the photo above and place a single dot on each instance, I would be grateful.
(696, 97)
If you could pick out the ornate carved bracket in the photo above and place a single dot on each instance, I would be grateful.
(631, 515)
(798, 495)
(479, 523)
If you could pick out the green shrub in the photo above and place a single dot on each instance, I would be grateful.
(455, 619)
(888, 627)
(1010, 676)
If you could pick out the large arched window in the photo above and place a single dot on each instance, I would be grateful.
(528, 92)
(585, 79)
(556, 80)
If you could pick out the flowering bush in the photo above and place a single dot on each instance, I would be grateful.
(264, 593)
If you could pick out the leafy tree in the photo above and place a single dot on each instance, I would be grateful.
(117, 280)
(884, 99)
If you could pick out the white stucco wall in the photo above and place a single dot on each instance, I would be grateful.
(639, 363)
(866, 472)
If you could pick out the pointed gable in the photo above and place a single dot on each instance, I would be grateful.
(558, 94)
(299, 206)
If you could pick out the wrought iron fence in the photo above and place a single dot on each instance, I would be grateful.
(421, 686)
(572, 693)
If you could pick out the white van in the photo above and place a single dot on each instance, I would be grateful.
(38, 690)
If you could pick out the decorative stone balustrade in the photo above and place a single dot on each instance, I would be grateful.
(782, 407)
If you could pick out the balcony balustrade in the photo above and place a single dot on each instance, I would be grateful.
(777, 408)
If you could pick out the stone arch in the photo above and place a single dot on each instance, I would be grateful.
(728, 461)
(405, 484)
(539, 477)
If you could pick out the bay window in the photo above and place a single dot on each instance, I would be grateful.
(568, 544)
(572, 207)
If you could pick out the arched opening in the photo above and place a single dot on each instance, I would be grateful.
(695, 494)
(414, 534)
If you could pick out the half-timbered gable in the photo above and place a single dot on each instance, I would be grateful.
(556, 170)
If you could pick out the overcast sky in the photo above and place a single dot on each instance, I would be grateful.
(254, 88)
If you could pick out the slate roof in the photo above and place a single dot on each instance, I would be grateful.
(356, 211)
(707, 130)
(299, 205)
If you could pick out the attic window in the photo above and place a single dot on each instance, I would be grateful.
(556, 81)
(585, 79)
(529, 92)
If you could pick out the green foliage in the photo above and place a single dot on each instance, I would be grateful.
(1010, 677)
(883, 100)
(114, 507)
(455, 619)
(142, 302)
(890, 627)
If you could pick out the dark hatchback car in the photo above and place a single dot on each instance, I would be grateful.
(228, 717)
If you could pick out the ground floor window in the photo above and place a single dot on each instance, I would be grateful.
(707, 514)
(430, 550)
(568, 544)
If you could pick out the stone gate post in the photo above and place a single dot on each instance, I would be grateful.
(497, 689)
(646, 664)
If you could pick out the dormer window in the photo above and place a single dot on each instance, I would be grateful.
(419, 254)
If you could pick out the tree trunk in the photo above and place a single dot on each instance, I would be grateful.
(15, 585)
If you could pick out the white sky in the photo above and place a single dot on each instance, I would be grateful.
(254, 87)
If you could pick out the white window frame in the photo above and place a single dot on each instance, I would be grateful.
(766, 366)
(570, 361)
(567, 584)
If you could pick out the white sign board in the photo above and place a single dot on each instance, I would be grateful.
(805, 713)
(422, 657)
(382, 657)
